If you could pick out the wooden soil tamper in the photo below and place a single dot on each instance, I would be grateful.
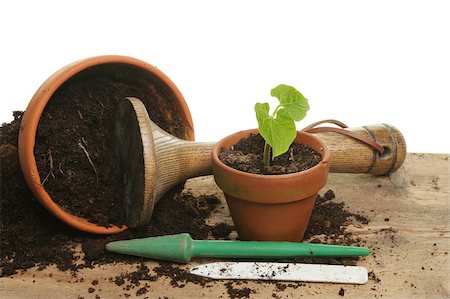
(153, 161)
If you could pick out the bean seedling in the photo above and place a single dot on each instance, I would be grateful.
(278, 129)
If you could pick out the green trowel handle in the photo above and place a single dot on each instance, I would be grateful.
(271, 250)
(181, 248)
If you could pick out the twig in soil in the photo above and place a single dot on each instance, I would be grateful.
(50, 172)
(89, 158)
(291, 155)
(90, 96)
(60, 166)
(101, 103)
(80, 115)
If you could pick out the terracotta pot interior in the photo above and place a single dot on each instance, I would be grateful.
(170, 107)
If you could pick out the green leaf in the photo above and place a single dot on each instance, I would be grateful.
(291, 101)
(262, 111)
(278, 132)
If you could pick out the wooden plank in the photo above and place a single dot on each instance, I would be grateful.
(410, 250)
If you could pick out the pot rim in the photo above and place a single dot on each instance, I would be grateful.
(32, 115)
(218, 146)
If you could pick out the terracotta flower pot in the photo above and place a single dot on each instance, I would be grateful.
(111, 66)
(271, 207)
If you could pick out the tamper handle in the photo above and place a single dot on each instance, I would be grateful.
(349, 155)
(178, 159)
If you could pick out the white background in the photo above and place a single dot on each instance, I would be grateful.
(362, 62)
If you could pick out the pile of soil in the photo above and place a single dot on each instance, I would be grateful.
(31, 236)
(75, 151)
(247, 156)
(329, 220)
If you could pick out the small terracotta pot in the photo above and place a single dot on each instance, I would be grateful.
(111, 65)
(271, 207)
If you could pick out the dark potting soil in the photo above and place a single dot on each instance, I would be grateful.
(234, 292)
(75, 150)
(183, 213)
(221, 231)
(330, 219)
(247, 156)
(30, 236)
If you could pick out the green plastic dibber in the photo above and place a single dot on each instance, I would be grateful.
(181, 248)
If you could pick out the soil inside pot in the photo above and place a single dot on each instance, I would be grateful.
(247, 156)
(75, 150)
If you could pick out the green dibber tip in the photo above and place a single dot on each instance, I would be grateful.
(174, 248)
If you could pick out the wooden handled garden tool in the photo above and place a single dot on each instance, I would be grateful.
(181, 248)
(152, 161)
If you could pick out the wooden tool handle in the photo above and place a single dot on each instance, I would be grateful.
(348, 155)
(353, 156)
(178, 160)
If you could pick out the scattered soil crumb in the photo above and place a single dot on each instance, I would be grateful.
(134, 278)
(179, 277)
(221, 231)
(238, 292)
(141, 291)
(280, 286)
(329, 195)
(374, 277)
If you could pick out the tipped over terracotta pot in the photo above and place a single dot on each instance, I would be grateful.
(271, 207)
(113, 67)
